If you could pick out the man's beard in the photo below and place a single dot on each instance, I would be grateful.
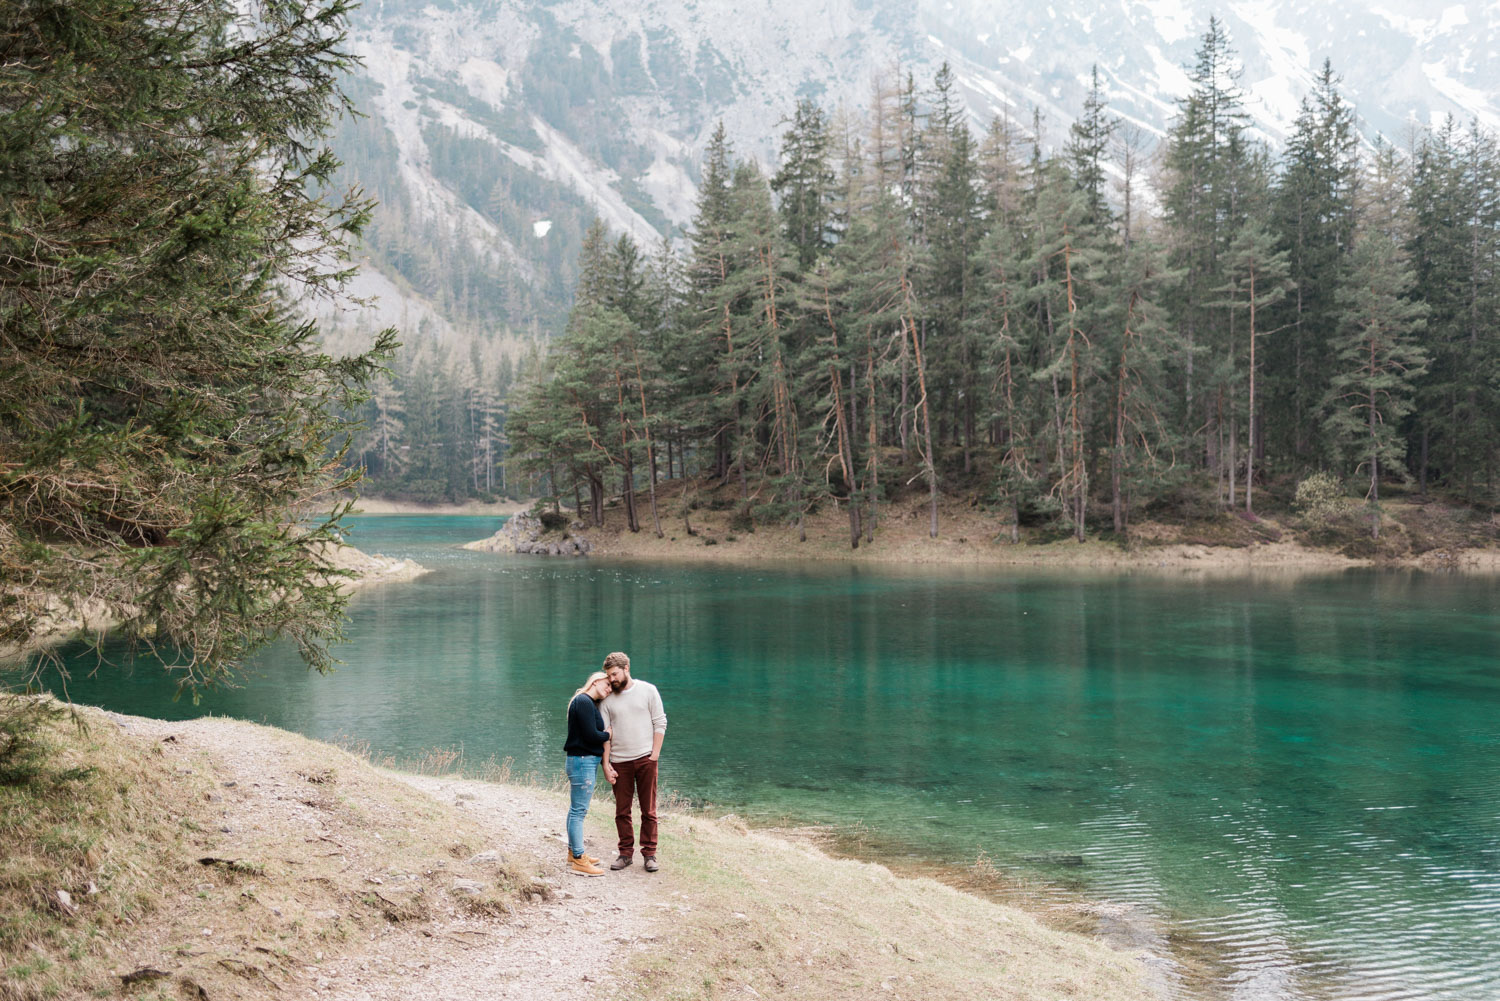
(617, 685)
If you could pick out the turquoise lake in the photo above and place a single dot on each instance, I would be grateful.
(1301, 773)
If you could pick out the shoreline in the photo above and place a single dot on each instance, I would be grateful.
(300, 866)
(382, 506)
(967, 539)
(60, 624)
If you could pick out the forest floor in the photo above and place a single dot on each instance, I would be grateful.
(220, 859)
(701, 521)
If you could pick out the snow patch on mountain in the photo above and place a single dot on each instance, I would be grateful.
(486, 80)
(1174, 20)
(1474, 102)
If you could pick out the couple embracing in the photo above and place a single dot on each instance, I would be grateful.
(617, 721)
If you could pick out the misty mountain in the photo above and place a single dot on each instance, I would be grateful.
(496, 130)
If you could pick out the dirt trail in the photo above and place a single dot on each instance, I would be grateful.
(560, 943)
(561, 949)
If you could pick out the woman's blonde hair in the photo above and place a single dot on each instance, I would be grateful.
(587, 682)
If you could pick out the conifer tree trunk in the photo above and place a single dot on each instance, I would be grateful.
(905, 452)
(929, 467)
(873, 425)
(840, 422)
(1250, 452)
(628, 468)
(596, 496)
(640, 382)
(1077, 474)
(1117, 501)
(854, 488)
(1373, 402)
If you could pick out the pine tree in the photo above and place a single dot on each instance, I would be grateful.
(1313, 211)
(1089, 139)
(1378, 363)
(1454, 249)
(954, 227)
(804, 183)
(1142, 443)
(386, 427)
(713, 304)
(1206, 157)
(162, 407)
(764, 283)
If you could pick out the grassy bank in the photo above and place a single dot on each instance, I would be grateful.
(241, 861)
(141, 861)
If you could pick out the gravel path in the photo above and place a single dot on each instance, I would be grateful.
(558, 949)
(561, 944)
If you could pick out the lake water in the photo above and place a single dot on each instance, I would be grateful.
(1301, 772)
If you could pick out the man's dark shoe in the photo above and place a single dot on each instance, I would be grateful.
(651, 865)
(621, 862)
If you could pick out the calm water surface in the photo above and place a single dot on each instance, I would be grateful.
(1301, 771)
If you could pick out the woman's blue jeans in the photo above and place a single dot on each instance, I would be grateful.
(582, 770)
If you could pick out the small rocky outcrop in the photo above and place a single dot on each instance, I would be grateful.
(370, 568)
(525, 533)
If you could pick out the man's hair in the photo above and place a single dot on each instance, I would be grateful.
(617, 659)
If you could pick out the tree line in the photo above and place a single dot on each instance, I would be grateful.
(1070, 334)
(433, 427)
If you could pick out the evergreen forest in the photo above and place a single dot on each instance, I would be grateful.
(1069, 336)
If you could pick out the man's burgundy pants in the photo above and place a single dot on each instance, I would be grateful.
(636, 780)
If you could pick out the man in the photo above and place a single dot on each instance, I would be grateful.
(637, 724)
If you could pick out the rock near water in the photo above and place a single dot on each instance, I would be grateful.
(525, 533)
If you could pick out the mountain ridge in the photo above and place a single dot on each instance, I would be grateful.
(498, 129)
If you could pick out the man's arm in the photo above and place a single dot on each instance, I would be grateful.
(609, 726)
(658, 723)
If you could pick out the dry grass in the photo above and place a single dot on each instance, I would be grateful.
(454, 761)
(752, 915)
(110, 838)
(189, 871)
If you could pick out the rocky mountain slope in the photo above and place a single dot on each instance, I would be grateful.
(498, 129)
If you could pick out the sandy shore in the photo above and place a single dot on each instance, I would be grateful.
(60, 622)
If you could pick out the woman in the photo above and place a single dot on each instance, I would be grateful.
(585, 748)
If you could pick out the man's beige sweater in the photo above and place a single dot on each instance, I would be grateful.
(632, 717)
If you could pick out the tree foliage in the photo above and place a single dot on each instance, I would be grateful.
(169, 430)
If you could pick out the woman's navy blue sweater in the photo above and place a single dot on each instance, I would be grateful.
(586, 733)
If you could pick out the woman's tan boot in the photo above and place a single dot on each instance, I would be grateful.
(579, 865)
